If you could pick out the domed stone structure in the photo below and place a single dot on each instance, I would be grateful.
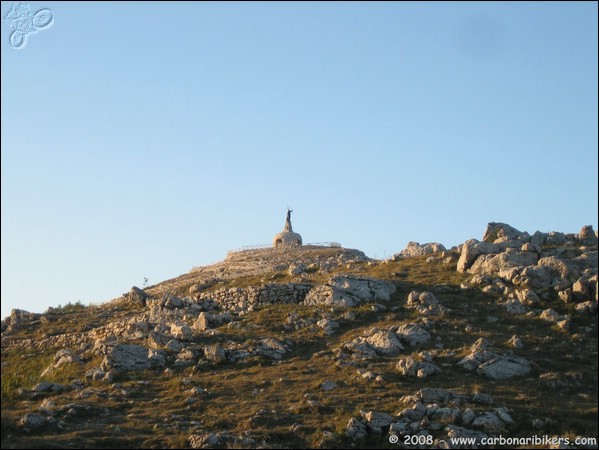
(287, 238)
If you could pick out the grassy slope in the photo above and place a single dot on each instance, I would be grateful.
(159, 413)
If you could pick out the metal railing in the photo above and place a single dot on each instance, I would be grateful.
(270, 246)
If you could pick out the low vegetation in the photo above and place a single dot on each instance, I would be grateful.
(280, 402)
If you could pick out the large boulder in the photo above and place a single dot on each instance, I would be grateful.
(126, 357)
(355, 429)
(496, 230)
(181, 330)
(489, 421)
(417, 249)
(328, 295)
(502, 262)
(365, 288)
(137, 296)
(32, 421)
(587, 235)
(493, 365)
(215, 354)
(18, 316)
(376, 421)
(348, 290)
(202, 323)
(372, 344)
(426, 304)
(272, 348)
(435, 395)
(549, 271)
(504, 367)
(412, 334)
(384, 343)
(409, 367)
(471, 250)
(61, 358)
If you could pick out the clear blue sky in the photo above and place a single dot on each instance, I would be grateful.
(139, 140)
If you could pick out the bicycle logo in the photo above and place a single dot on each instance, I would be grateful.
(25, 23)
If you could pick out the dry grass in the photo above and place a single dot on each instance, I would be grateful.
(161, 413)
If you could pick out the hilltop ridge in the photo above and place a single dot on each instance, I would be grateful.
(321, 347)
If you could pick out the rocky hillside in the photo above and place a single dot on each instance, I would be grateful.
(322, 347)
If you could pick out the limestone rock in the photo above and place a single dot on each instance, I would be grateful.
(181, 331)
(172, 302)
(327, 295)
(328, 326)
(202, 323)
(376, 421)
(527, 297)
(328, 385)
(95, 374)
(502, 262)
(515, 342)
(384, 342)
(493, 365)
(215, 354)
(409, 367)
(549, 271)
(272, 348)
(587, 235)
(174, 345)
(32, 421)
(204, 441)
(61, 358)
(589, 307)
(504, 367)
(471, 250)
(17, 317)
(296, 269)
(489, 422)
(455, 432)
(137, 296)
(355, 429)
(349, 290)
(550, 315)
(504, 416)
(415, 249)
(46, 386)
(480, 344)
(426, 304)
(497, 230)
(435, 395)
(412, 334)
(443, 414)
(585, 288)
(514, 306)
(372, 344)
(482, 399)
(468, 416)
(157, 340)
(126, 357)
(565, 295)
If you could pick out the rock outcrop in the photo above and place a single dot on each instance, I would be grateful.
(416, 249)
(268, 349)
(493, 365)
(347, 291)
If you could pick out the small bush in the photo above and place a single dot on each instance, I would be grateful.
(68, 308)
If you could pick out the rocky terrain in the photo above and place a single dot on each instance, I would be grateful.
(322, 347)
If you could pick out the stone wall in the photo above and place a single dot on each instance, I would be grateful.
(246, 299)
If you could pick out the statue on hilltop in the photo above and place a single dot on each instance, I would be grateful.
(288, 226)
(287, 238)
